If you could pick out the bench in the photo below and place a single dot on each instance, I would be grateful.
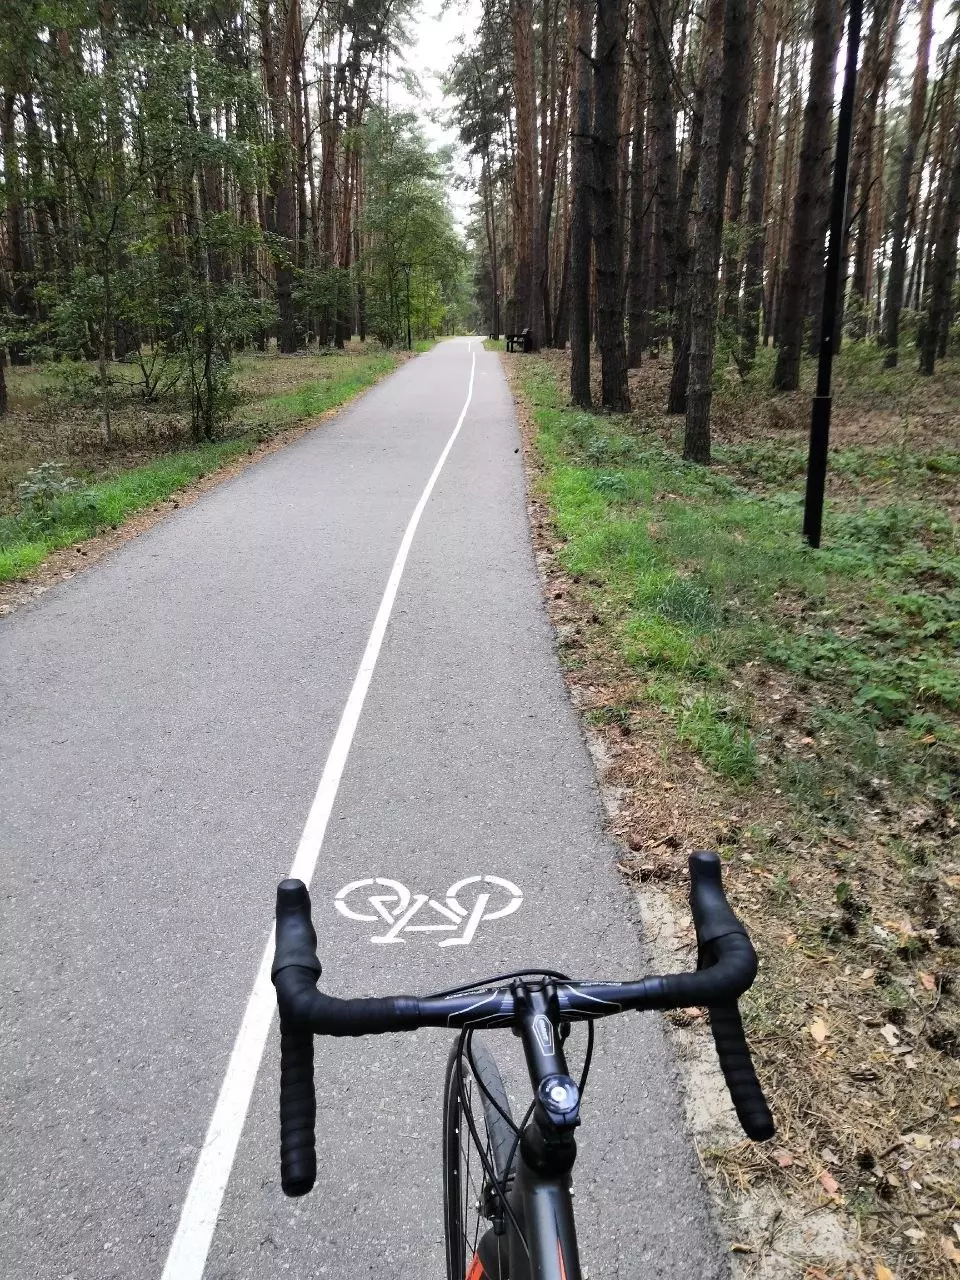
(519, 341)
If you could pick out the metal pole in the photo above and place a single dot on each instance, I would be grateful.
(823, 400)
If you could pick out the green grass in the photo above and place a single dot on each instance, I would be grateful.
(28, 536)
(706, 570)
(26, 539)
(312, 399)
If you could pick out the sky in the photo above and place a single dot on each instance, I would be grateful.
(438, 35)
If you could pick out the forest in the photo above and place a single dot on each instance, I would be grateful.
(652, 179)
(656, 177)
(182, 182)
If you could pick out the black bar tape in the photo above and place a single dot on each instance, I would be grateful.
(737, 1066)
(296, 966)
(712, 914)
(725, 949)
(298, 1113)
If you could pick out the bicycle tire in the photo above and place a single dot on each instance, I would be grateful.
(463, 1197)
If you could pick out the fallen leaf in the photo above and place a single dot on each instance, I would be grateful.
(742, 1248)
(953, 881)
(783, 1158)
(884, 1273)
(904, 927)
(829, 1183)
(829, 1156)
(928, 981)
(819, 1030)
(867, 975)
(890, 1034)
(915, 1234)
(922, 1141)
(910, 1062)
(950, 1250)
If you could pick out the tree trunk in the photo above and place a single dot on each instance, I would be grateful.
(21, 286)
(607, 234)
(898, 253)
(680, 326)
(727, 52)
(561, 321)
(804, 235)
(581, 220)
(103, 355)
(733, 252)
(756, 226)
(779, 240)
(943, 267)
(529, 269)
(877, 58)
(662, 256)
(281, 203)
(636, 281)
(816, 279)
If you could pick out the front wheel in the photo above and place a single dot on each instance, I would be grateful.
(474, 1251)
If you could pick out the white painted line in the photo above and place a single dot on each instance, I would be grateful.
(198, 1219)
(407, 905)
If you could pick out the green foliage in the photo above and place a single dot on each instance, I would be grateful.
(415, 254)
(704, 574)
(41, 488)
(147, 262)
(74, 382)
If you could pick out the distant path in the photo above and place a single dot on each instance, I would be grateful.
(164, 721)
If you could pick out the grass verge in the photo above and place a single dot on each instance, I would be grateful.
(800, 711)
(63, 512)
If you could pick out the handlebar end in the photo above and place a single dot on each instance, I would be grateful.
(712, 914)
(291, 895)
(296, 938)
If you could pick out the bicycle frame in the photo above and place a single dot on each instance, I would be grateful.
(544, 1208)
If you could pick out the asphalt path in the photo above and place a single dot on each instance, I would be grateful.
(164, 721)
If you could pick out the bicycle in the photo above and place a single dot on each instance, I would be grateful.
(518, 1224)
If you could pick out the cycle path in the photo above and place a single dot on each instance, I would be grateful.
(165, 719)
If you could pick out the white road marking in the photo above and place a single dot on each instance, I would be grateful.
(399, 907)
(198, 1219)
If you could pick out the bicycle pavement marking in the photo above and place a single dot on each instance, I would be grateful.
(198, 1218)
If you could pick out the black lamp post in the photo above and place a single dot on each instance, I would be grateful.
(823, 400)
(406, 268)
